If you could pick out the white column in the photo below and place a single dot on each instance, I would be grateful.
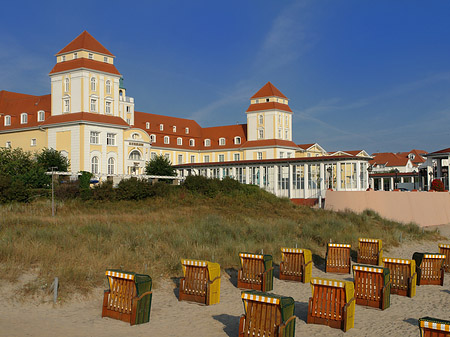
(305, 173)
(261, 177)
(275, 179)
(220, 173)
(358, 176)
(338, 176)
(291, 181)
(392, 183)
(382, 184)
(322, 177)
(247, 175)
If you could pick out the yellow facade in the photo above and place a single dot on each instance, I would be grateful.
(64, 142)
(24, 139)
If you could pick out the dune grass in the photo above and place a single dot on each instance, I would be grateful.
(151, 236)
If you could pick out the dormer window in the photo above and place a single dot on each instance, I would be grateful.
(166, 139)
(237, 140)
(23, 118)
(147, 125)
(63, 58)
(153, 138)
(267, 100)
(105, 59)
(186, 130)
(91, 56)
(207, 142)
(179, 141)
(93, 84)
(174, 128)
(41, 116)
(75, 56)
(221, 141)
(161, 127)
(7, 120)
(191, 142)
(261, 119)
(257, 101)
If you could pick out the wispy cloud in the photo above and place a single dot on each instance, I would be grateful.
(286, 39)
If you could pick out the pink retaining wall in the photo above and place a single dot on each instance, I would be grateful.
(423, 208)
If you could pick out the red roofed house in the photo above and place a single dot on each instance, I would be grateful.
(89, 117)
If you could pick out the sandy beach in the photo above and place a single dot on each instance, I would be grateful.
(169, 317)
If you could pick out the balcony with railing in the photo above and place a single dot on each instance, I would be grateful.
(126, 99)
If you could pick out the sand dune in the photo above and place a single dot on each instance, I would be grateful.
(82, 317)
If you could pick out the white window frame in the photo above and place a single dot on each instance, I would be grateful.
(192, 159)
(180, 159)
(8, 144)
(261, 133)
(93, 84)
(7, 121)
(237, 157)
(186, 130)
(63, 58)
(191, 142)
(222, 141)
(153, 155)
(167, 156)
(93, 105)
(94, 137)
(23, 118)
(237, 140)
(108, 87)
(33, 142)
(66, 84)
(66, 103)
(207, 142)
(111, 166)
(75, 55)
(206, 158)
(41, 116)
(95, 165)
(179, 141)
(261, 119)
(161, 127)
(131, 156)
(91, 56)
(221, 157)
(108, 106)
(147, 125)
(153, 138)
(111, 139)
(105, 59)
(174, 128)
(166, 140)
(259, 155)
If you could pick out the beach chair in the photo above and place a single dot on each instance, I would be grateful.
(267, 315)
(338, 258)
(201, 282)
(256, 272)
(433, 327)
(429, 268)
(332, 303)
(296, 264)
(370, 251)
(129, 297)
(403, 276)
(444, 249)
(372, 286)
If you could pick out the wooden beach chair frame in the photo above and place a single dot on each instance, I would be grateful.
(332, 303)
(254, 274)
(370, 251)
(201, 282)
(403, 276)
(296, 265)
(433, 327)
(430, 268)
(123, 301)
(338, 259)
(264, 315)
(372, 286)
(444, 249)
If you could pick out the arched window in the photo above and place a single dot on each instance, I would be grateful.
(191, 142)
(207, 142)
(237, 140)
(111, 165)
(7, 120)
(153, 138)
(41, 116)
(66, 84)
(93, 84)
(179, 141)
(166, 139)
(23, 118)
(221, 141)
(135, 155)
(261, 119)
(108, 86)
(94, 165)
(135, 136)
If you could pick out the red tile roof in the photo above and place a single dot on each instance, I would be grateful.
(268, 90)
(305, 146)
(268, 106)
(388, 159)
(14, 104)
(229, 132)
(87, 42)
(447, 150)
(85, 117)
(84, 63)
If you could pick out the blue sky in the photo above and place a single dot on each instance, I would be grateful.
(371, 75)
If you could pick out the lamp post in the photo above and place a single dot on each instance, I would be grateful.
(329, 170)
(369, 170)
(53, 190)
(431, 179)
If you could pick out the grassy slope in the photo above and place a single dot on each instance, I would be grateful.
(85, 238)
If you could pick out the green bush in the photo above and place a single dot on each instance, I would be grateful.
(104, 191)
(133, 189)
(13, 190)
(67, 191)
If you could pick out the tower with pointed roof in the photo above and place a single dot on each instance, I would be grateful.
(269, 115)
(84, 79)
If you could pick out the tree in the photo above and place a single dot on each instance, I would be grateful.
(49, 158)
(160, 166)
